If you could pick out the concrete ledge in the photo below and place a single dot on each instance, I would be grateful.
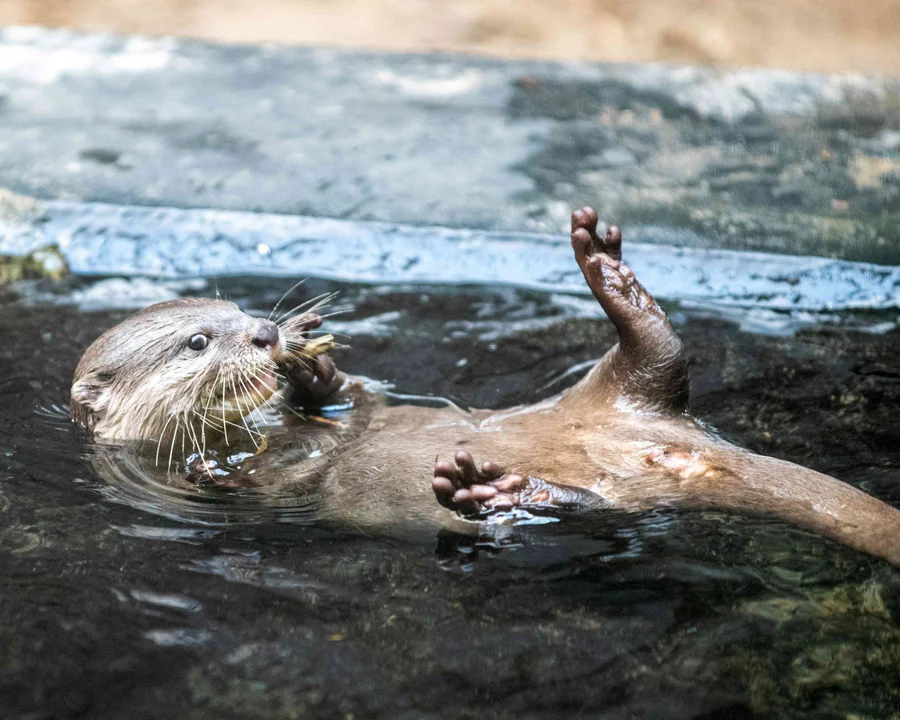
(775, 161)
(98, 239)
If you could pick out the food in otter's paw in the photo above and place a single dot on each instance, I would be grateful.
(316, 346)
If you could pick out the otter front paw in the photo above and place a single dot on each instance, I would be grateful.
(470, 491)
(313, 379)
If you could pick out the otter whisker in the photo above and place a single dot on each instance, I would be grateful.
(296, 326)
(196, 446)
(212, 392)
(298, 350)
(301, 337)
(254, 390)
(279, 376)
(336, 312)
(313, 347)
(224, 393)
(247, 387)
(209, 398)
(323, 331)
(256, 376)
(236, 395)
(202, 437)
(237, 400)
(268, 365)
(316, 302)
(272, 367)
(281, 299)
(162, 434)
(297, 357)
(192, 436)
(183, 435)
(172, 446)
(216, 427)
(295, 346)
(203, 419)
(323, 303)
(293, 411)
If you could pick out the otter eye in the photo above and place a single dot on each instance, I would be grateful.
(198, 342)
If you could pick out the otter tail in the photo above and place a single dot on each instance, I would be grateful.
(744, 482)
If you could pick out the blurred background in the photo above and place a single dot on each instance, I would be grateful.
(818, 35)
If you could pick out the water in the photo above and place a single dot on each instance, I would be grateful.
(139, 602)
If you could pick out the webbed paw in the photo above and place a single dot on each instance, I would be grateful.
(470, 490)
(625, 300)
(313, 379)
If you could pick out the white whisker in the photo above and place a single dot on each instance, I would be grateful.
(159, 440)
(224, 394)
(316, 302)
(241, 411)
(282, 298)
(172, 446)
(247, 388)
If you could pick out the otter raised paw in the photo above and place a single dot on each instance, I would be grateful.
(469, 490)
(647, 369)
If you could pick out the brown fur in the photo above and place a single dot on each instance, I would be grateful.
(621, 438)
(141, 381)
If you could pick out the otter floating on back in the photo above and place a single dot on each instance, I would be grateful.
(621, 438)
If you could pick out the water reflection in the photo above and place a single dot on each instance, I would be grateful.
(126, 586)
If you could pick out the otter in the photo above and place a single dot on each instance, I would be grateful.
(622, 438)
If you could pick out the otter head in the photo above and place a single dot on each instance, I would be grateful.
(190, 365)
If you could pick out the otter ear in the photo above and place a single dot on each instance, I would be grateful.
(85, 400)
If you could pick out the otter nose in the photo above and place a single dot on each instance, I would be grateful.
(265, 335)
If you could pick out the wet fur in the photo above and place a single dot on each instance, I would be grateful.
(621, 438)
(140, 380)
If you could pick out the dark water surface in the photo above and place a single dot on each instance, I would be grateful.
(116, 605)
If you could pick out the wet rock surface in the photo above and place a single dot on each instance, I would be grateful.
(785, 162)
(190, 245)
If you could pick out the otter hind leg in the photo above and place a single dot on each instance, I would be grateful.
(648, 367)
(462, 486)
